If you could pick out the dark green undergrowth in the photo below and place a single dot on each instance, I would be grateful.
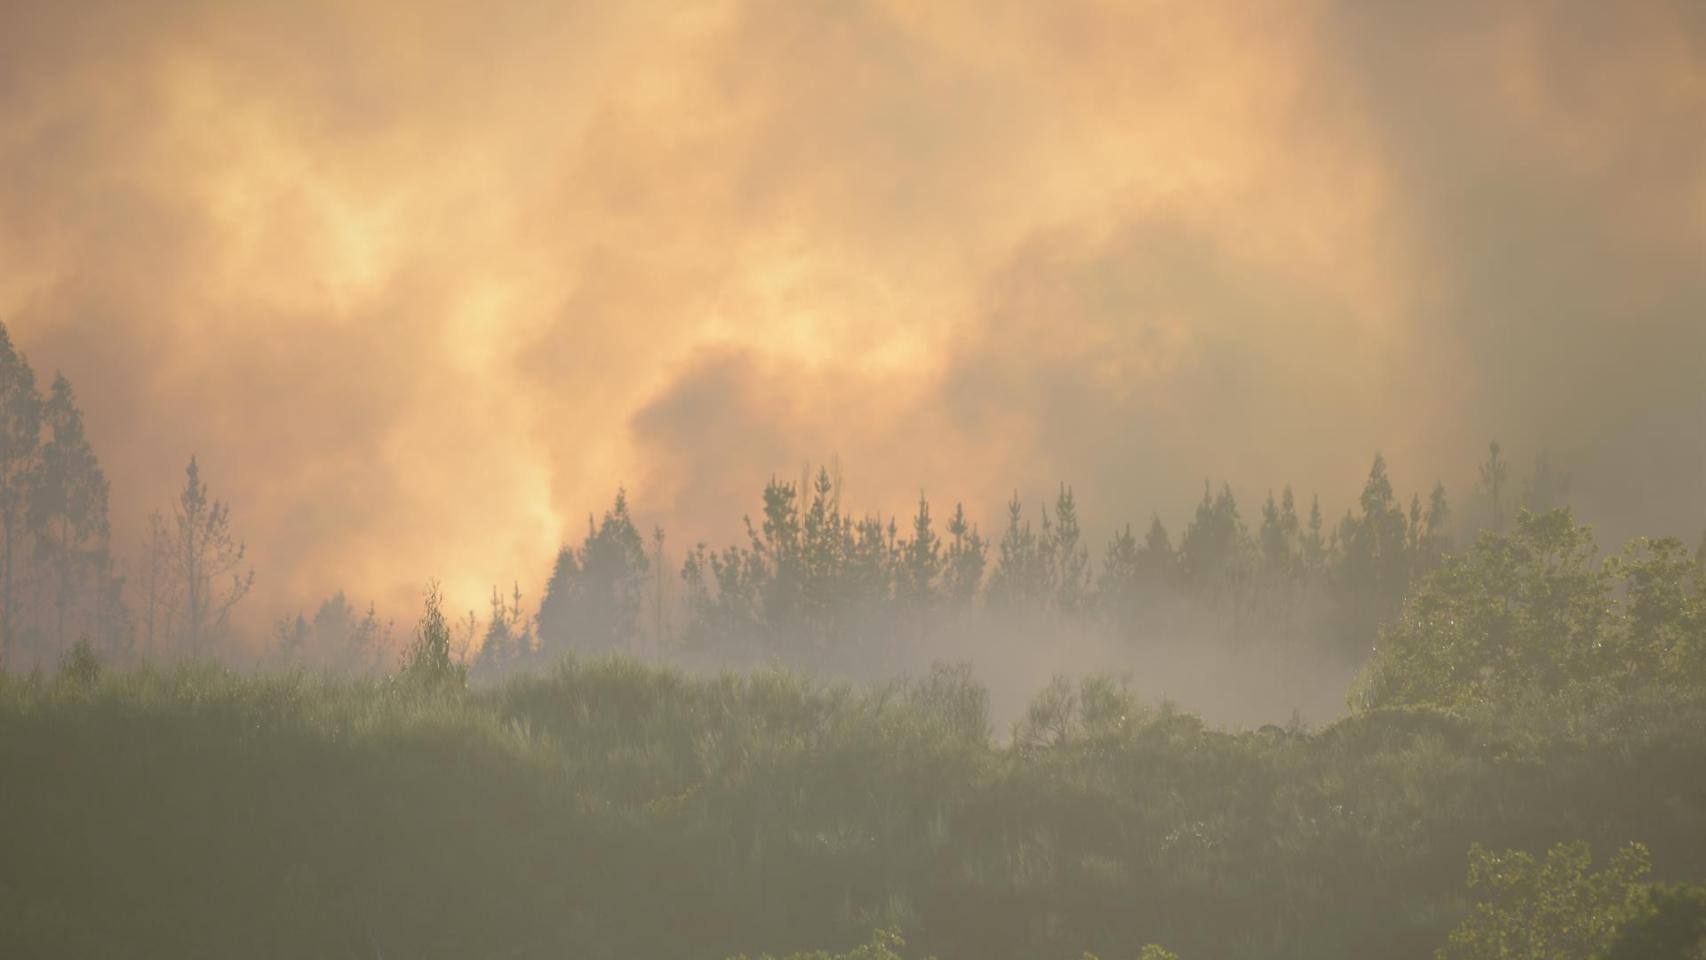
(609, 809)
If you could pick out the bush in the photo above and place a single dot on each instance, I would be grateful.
(608, 809)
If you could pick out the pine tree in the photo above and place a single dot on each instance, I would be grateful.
(1212, 549)
(498, 644)
(1018, 584)
(1377, 542)
(1117, 584)
(1279, 539)
(594, 596)
(563, 601)
(206, 552)
(777, 544)
(1315, 548)
(1436, 526)
(614, 564)
(1292, 529)
(920, 566)
(823, 560)
(429, 660)
(870, 577)
(1377, 558)
(1158, 562)
(1494, 473)
(1070, 558)
(698, 602)
(967, 556)
(520, 624)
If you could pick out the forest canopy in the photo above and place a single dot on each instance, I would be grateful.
(795, 767)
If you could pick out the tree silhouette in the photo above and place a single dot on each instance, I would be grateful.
(593, 599)
(1494, 472)
(920, 569)
(69, 513)
(20, 438)
(205, 553)
(967, 556)
(1071, 557)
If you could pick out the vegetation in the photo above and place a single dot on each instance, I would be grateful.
(1538, 615)
(1559, 909)
(610, 809)
(819, 588)
(521, 788)
(1552, 909)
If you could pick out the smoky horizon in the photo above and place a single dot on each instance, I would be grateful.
(422, 291)
(853, 479)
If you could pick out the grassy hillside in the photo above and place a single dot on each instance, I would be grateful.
(609, 809)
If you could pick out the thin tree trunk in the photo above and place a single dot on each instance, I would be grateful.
(193, 593)
(148, 637)
(63, 599)
(6, 614)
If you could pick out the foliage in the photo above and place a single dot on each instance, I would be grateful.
(82, 665)
(428, 661)
(205, 552)
(1214, 552)
(592, 602)
(20, 437)
(1559, 909)
(884, 945)
(607, 809)
(1669, 925)
(1536, 613)
(1552, 909)
(68, 517)
(58, 579)
(865, 597)
(1494, 476)
(1525, 692)
(814, 586)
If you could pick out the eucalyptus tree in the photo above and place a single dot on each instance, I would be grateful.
(20, 447)
(68, 514)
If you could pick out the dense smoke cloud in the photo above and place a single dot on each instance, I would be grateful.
(422, 283)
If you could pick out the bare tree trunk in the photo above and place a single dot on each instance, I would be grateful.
(659, 627)
(154, 547)
(63, 598)
(6, 614)
(192, 593)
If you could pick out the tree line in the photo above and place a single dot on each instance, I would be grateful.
(817, 585)
(60, 581)
(814, 584)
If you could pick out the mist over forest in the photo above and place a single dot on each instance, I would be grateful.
(1246, 621)
(853, 481)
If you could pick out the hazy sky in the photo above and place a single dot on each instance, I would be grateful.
(422, 282)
